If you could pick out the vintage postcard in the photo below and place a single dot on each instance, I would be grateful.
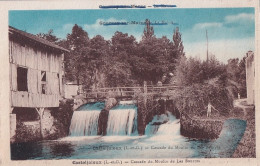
(129, 84)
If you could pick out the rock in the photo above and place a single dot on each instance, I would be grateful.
(102, 122)
(110, 102)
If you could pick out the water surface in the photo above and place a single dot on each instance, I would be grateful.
(165, 143)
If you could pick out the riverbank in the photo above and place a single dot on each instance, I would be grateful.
(205, 128)
(247, 145)
(200, 128)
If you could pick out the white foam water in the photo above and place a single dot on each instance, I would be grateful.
(84, 123)
(154, 125)
(122, 120)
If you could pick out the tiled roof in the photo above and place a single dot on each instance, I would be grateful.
(13, 30)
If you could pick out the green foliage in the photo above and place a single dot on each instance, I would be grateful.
(27, 133)
(203, 82)
(148, 31)
(62, 118)
(236, 74)
(122, 61)
(194, 99)
(191, 71)
(49, 36)
(177, 44)
(78, 43)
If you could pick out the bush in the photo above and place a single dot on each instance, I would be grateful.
(27, 133)
(62, 118)
(194, 99)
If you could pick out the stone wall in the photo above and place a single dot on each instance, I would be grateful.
(200, 128)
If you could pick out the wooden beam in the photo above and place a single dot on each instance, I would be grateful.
(40, 112)
(11, 110)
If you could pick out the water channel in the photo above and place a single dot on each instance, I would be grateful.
(122, 140)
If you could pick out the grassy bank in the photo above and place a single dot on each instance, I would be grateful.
(247, 145)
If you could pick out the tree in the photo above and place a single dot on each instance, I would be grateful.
(236, 75)
(157, 56)
(202, 82)
(97, 59)
(78, 43)
(49, 36)
(177, 44)
(148, 31)
(119, 64)
(117, 73)
(152, 61)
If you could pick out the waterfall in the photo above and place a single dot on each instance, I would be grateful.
(154, 125)
(84, 121)
(168, 128)
(122, 119)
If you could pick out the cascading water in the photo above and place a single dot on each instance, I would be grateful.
(168, 128)
(154, 125)
(122, 119)
(85, 119)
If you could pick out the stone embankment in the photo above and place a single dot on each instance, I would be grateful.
(200, 128)
(247, 146)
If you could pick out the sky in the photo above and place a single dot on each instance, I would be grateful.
(231, 31)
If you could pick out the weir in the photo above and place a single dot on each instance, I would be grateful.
(85, 120)
(84, 123)
(122, 119)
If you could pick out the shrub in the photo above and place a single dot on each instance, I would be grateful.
(62, 118)
(194, 99)
(27, 133)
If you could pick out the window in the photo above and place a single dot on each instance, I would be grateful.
(22, 84)
(43, 82)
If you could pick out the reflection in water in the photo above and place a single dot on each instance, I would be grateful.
(62, 149)
(23, 151)
(166, 143)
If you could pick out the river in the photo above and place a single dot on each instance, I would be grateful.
(163, 141)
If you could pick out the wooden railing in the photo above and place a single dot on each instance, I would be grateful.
(129, 91)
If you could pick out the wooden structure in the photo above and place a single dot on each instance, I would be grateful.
(36, 72)
(128, 92)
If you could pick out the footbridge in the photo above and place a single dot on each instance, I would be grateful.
(163, 91)
(129, 92)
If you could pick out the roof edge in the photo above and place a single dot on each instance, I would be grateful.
(36, 38)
